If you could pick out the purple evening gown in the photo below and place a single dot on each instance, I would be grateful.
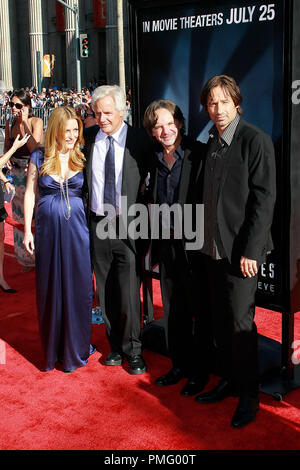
(64, 289)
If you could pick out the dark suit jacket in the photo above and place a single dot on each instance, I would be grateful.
(135, 167)
(194, 155)
(247, 195)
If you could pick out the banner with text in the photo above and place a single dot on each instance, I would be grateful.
(179, 46)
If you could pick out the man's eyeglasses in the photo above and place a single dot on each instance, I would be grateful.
(17, 105)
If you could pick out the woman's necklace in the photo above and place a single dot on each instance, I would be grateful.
(64, 197)
(64, 157)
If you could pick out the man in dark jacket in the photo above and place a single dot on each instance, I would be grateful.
(239, 195)
(115, 170)
(178, 162)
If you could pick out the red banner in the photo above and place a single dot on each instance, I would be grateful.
(100, 13)
(60, 17)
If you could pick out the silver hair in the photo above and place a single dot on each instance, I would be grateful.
(114, 91)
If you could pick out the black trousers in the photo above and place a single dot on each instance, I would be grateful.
(118, 282)
(231, 302)
(183, 310)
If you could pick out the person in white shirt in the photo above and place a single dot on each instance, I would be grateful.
(116, 167)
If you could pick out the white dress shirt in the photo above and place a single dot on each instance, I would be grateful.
(98, 167)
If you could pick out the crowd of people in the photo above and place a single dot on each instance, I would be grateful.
(53, 97)
(76, 185)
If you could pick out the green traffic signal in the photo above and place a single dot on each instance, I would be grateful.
(84, 45)
(85, 48)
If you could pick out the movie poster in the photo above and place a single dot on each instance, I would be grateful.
(178, 46)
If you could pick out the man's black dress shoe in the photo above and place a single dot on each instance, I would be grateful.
(245, 412)
(136, 365)
(113, 359)
(194, 385)
(171, 378)
(221, 391)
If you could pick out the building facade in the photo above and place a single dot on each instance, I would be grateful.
(33, 29)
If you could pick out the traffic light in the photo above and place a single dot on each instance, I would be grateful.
(84, 45)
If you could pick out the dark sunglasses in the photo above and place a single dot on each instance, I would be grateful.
(88, 114)
(17, 105)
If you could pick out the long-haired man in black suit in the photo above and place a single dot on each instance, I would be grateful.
(178, 162)
(239, 195)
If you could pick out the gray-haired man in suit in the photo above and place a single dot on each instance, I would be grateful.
(115, 168)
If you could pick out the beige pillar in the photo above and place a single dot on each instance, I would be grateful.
(112, 69)
(71, 44)
(5, 50)
(121, 45)
(36, 36)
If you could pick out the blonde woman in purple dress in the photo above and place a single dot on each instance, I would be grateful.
(64, 288)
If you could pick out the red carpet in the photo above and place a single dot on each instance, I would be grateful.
(99, 407)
